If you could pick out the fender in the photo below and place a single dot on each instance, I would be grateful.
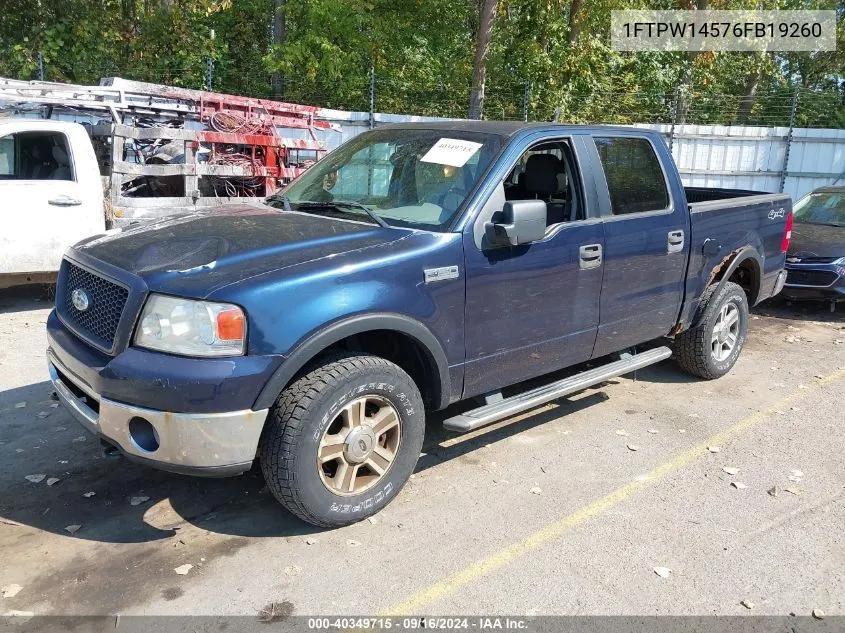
(745, 253)
(339, 330)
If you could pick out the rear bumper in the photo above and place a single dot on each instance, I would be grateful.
(210, 444)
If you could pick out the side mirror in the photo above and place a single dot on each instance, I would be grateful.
(520, 222)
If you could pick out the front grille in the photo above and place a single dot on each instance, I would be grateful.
(817, 260)
(796, 277)
(106, 301)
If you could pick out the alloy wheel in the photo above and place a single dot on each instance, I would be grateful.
(359, 445)
(725, 332)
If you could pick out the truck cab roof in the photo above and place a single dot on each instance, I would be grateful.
(509, 128)
(35, 125)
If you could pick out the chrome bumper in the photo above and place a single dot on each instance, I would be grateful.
(192, 443)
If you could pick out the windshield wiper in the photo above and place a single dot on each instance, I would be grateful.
(281, 198)
(368, 210)
(348, 203)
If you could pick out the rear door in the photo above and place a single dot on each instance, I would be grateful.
(534, 308)
(44, 205)
(646, 235)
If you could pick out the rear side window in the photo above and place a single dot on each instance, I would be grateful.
(634, 175)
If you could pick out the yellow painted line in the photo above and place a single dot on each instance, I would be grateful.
(497, 560)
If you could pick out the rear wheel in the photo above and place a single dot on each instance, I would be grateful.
(343, 439)
(711, 348)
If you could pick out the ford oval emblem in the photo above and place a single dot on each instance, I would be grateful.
(80, 300)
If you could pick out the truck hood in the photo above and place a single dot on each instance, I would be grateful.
(198, 253)
(817, 240)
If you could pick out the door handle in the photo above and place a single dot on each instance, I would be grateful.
(64, 201)
(675, 242)
(590, 256)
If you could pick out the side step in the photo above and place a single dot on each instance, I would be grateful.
(489, 413)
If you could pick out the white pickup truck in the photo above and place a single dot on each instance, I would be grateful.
(51, 195)
(145, 152)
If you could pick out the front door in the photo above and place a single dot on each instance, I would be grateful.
(44, 208)
(534, 308)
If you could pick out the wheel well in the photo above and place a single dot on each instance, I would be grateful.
(747, 277)
(404, 351)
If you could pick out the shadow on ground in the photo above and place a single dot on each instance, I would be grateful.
(29, 297)
(801, 310)
(240, 506)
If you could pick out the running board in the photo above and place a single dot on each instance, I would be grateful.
(489, 413)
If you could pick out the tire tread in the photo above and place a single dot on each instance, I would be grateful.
(288, 420)
(691, 349)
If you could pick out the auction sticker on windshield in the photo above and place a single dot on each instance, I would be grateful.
(451, 151)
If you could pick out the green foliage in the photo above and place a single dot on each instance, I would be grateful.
(167, 41)
(422, 53)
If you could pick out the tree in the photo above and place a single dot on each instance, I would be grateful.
(278, 40)
(486, 20)
(431, 57)
(574, 22)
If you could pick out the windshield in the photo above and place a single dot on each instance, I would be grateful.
(403, 177)
(821, 208)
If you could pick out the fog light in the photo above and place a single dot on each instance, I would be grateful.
(143, 434)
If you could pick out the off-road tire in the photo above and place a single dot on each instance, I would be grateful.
(302, 413)
(693, 347)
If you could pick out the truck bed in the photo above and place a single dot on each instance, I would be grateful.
(726, 221)
(696, 195)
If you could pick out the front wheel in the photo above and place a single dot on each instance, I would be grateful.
(711, 348)
(343, 439)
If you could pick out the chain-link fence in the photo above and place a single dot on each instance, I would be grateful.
(515, 100)
(782, 107)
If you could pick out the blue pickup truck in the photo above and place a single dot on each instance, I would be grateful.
(415, 266)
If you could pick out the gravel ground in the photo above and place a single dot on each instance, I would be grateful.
(552, 512)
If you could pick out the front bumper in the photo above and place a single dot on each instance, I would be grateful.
(780, 282)
(815, 281)
(210, 444)
(154, 380)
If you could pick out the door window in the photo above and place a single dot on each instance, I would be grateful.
(634, 176)
(547, 172)
(35, 156)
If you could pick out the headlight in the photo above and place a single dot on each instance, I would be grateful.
(192, 328)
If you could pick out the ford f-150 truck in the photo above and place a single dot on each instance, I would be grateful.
(415, 266)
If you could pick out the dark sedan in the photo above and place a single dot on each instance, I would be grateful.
(816, 260)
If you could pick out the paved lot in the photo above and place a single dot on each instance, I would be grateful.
(550, 513)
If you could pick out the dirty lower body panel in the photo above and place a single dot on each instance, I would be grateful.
(210, 444)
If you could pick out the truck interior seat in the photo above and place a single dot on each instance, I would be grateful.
(62, 170)
(36, 168)
(36, 161)
(541, 182)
